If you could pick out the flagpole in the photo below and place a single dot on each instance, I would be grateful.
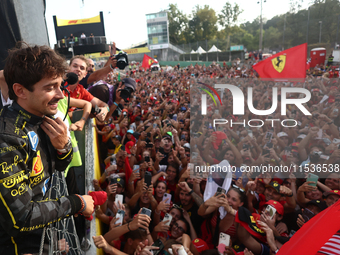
(261, 27)
(284, 29)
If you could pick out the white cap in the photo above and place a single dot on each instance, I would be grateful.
(282, 134)
(302, 136)
(186, 145)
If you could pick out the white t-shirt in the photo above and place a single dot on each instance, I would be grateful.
(4, 102)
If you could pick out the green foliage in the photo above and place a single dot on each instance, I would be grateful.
(203, 24)
(229, 15)
(222, 28)
(177, 24)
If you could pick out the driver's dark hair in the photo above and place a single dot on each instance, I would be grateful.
(27, 65)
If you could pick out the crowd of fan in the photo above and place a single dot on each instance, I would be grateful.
(145, 156)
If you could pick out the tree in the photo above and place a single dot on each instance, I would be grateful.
(203, 24)
(177, 24)
(228, 18)
(229, 15)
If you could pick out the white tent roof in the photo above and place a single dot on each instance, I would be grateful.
(200, 50)
(193, 51)
(214, 49)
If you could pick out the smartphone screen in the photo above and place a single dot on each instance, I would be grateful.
(220, 191)
(167, 198)
(136, 167)
(223, 242)
(157, 243)
(270, 211)
(119, 197)
(161, 150)
(146, 211)
(312, 178)
(307, 214)
(269, 135)
(120, 216)
(168, 218)
(147, 178)
(326, 141)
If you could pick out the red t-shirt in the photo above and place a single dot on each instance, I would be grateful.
(171, 188)
(79, 93)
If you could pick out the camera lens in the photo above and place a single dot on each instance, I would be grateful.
(121, 63)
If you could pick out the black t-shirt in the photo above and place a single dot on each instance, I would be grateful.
(164, 161)
(84, 81)
(196, 220)
(110, 144)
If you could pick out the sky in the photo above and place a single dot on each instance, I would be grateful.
(125, 21)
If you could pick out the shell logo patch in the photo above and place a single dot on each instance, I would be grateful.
(37, 165)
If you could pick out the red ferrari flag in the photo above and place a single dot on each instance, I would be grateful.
(286, 64)
(308, 239)
(147, 61)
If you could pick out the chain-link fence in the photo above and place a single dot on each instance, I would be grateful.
(60, 237)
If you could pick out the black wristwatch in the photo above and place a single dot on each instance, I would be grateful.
(67, 147)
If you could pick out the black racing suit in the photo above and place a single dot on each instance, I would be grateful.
(27, 163)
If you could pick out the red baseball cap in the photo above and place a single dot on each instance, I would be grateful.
(277, 206)
(261, 180)
(332, 192)
(128, 146)
(200, 245)
(295, 144)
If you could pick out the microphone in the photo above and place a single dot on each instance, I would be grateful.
(71, 78)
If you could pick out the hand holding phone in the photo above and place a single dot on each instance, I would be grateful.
(119, 198)
(168, 218)
(270, 211)
(223, 242)
(167, 198)
(147, 178)
(307, 214)
(312, 178)
(158, 243)
(220, 191)
(146, 211)
(120, 217)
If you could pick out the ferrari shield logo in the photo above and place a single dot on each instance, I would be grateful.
(151, 61)
(279, 63)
